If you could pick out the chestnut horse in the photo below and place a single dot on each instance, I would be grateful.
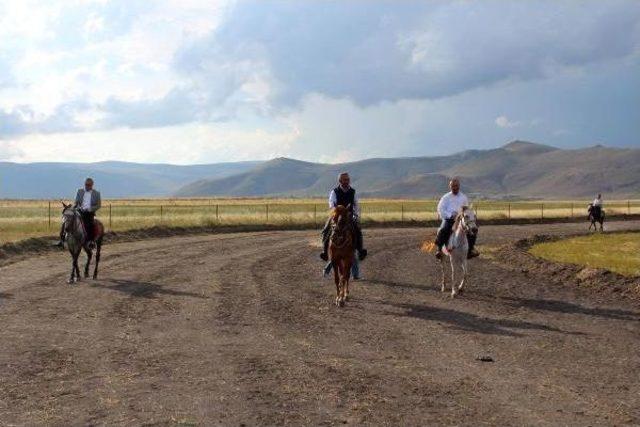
(341, 251)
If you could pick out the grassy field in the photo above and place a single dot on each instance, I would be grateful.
(615, 252)
(21, 219)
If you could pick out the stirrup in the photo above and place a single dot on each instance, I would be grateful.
(362, 254)
(324, 256)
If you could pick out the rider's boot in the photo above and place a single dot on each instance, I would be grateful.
(325, 249)
(362, 253)
(473, 253)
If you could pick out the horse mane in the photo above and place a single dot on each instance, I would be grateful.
(459, 217)
(337, 211)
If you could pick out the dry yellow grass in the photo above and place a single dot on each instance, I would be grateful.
(20, 219)
(616, 252)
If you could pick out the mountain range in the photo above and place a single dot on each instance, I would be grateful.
(518, 169)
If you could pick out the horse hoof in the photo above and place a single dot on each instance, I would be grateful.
(341, 303)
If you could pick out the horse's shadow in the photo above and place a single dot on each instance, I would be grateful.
(5, 295)
(143, 289)
(473, 323)
(571, 308)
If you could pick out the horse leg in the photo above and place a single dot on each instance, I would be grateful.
(98, 248)
(464, 276)
(347, 269)
(336, 279)
(74, 262)
(89, 253)
(343, 275)
(443, 275)
(453, 277)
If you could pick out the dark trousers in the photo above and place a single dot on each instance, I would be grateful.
(89, 224)
(326, 234)
(445, 230)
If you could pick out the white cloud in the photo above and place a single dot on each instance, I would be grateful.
(504, 122)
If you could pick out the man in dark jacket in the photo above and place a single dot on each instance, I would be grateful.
(89, 201)
(344, 195)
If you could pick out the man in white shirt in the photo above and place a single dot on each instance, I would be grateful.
(344, 195)
(89, 201)
(598, 201)
(448, 208)
(597, 207)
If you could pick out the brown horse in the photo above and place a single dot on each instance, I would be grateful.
(341, 251)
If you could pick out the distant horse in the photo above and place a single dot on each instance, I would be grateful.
(341, 251)
(457, 248)
(77, 241)
(596, 214)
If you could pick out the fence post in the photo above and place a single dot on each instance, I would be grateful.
(402, 213)
(110, 221)
(315, 215)
(509, 211)
(628, 207)
(161, 215)
(267, 211)
(49, 215)
(542, 210)
(571, 210)
(217, 217)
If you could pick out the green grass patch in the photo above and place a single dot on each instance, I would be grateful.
(618, 252)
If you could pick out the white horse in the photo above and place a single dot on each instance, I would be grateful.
(457, 248)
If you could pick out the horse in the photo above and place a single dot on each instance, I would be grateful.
(341, 251)
(77, 241)
(595, 215)
(457, 248)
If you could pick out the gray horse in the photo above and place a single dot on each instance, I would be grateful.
(77, 241)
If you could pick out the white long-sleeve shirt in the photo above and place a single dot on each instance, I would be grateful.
(86, 201)
(333, 202)
(450, 204)
(597, 202)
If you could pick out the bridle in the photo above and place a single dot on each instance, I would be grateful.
(69, 218)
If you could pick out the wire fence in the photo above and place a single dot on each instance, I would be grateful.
(19, 219)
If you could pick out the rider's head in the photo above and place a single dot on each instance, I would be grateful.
(599, 196)
(344, 179)
(88, 184)
(454, 185)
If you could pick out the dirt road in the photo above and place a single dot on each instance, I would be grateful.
(241, 329)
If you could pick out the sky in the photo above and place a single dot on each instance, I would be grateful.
(203, 81)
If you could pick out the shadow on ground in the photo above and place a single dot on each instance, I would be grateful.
(143, 289)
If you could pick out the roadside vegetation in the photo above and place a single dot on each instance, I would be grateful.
(20, 219)
(616, 252)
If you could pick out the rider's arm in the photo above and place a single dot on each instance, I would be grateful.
(78, 201)
(98, 202)
(333, 200)
(442, 205)
(356, 206)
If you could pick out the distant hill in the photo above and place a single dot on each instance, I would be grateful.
(113, 179)
(518, 169)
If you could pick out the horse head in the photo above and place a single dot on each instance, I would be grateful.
(340, 215)
(467, 218)
(69, 217)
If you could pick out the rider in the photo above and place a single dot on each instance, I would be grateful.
(344, 195)
(448, 209)
(88, 201)
(597, 203)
